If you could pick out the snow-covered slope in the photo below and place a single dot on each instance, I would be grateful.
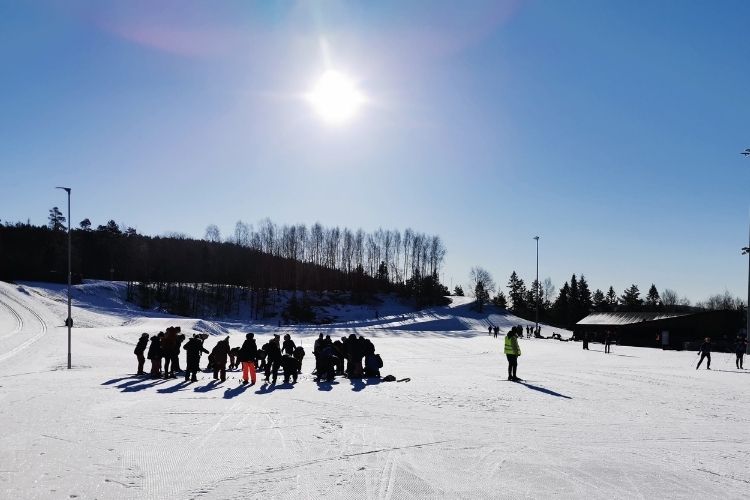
(637, 423)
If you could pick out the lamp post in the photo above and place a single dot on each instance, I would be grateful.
(69, 320)
(537, 283)
(746, 251)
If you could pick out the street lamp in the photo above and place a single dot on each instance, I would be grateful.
(746, 251)
(69, 320)
(537, 283)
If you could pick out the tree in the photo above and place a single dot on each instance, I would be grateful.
(599, 301)
(548, 293)
(517, 292)
(111, 227)
(611, 298)
(480, 275)
(458, 291)
(213, 234)
(500, 300)
(56, 219)
(631, 298)
(585, 303)
(669, 299)
(561, 307)
(653, 301)
(85, 224)
(482, 295)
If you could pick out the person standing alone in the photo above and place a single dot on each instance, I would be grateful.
(739, 350)
(705, 352)
(512, 351)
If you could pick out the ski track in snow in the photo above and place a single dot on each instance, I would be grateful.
(638, 424)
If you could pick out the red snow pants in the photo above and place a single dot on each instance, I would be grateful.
(248, 366)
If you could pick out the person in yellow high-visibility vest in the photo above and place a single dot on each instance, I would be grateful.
(512, 351)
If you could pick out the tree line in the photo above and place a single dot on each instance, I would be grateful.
(194, 276)
(575, 300)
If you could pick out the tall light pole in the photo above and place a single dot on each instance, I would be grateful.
(746, 250)
(69, 320)
(537, 282)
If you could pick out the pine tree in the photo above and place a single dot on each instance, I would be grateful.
(611, 298)
(562, 304)
(599, 301)
(585, 303)
(481, 295)
(500, 300)
(85, 224)
(653, 301)
(517, 292)
(458, 291)
(56, 219)
(631, 298)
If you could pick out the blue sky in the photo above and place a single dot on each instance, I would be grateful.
(611, 129)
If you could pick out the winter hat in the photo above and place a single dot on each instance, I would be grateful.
(249, 335)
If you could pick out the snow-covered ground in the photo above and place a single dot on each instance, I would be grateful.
(638, 423)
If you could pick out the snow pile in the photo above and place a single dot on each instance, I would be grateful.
(637, 423)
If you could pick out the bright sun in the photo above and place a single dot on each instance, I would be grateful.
(335, 97)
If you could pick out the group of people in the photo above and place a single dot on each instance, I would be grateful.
(519, 330)
(704, 351)
(330, 357)
(358, 353)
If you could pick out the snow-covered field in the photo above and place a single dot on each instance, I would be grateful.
(638, 423)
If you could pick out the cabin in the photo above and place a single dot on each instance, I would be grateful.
(666, 330)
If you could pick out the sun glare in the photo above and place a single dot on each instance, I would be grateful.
(335, 97)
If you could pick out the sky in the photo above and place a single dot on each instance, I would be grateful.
(612, 130)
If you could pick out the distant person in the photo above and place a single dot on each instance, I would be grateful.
(194, 348)
(326, 361)
(705, 352)
(154, 354)
(140, 348)
(176, 353)
(247, 356)
(739, 349)
(512, 351)
(489, 330)
(168, 346)
(607, 341)
(585, 341)
(373, 364)
(299, 355)
(289, 365)
(496, 330)
(288, 346)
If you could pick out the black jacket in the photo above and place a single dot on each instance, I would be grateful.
(288, 346)
(194, 348)
(249, 350)
(141, 346)
(273, 351)
(154, 350)
(705, 348)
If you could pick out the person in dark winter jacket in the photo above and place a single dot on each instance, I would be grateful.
(140, 348)
(289, 365)
(607, 342)
(325, 364)
(739, 350)
(168, 346)
(586, 341)
(234, 360)
(260, 357)
(154, 354)
(176, 357)
(373, 364)
(220, 353)
(247, 355)
(288, 346)
(194, 348)
(299, 355)
(705, 352)
(338, 349)
(273, 351)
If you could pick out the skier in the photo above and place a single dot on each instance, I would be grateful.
(705, 352)
(154, 354)
(248, 353)
(168, 344)
(220, 353)
(739, 350)
(140, 348)
(607, 341)
(512, 351)
(194, 348)
(496, 330)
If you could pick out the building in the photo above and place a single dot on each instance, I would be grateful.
(678, 330)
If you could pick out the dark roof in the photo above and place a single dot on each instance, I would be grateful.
(626, 318)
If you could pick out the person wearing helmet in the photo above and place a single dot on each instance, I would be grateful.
(512, 351)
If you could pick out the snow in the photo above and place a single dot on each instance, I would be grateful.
(638, 423)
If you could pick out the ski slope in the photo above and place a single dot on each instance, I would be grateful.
(638, 423)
